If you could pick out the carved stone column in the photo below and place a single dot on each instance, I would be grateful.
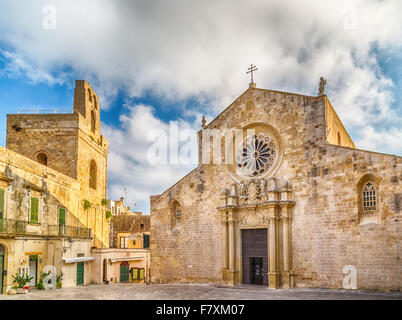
(225, 246)
(230, 273)
(286, 252)
(272, 252)
(231, 245)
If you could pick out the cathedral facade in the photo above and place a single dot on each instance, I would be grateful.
(286, 201)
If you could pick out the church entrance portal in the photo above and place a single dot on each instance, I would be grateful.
(254, 256)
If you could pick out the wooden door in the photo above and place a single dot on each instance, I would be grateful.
(1, 267)
(254, 256)
(80, 273)
(124, 273)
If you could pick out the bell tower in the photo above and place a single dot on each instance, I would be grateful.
(86, 103)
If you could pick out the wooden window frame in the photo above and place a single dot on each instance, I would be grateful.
(33, 221)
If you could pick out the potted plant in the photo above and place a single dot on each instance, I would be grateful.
(40, 285)
(22, 280)
(59, 281)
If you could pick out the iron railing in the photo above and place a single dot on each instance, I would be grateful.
(13, 226)
(16, 227)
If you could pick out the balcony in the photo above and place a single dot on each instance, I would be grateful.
(21, 228)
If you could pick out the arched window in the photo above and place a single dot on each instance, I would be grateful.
(93, 121)
(339, 139)
(92, 174)
(41, 157)
(176, 213)
(369, 197)
(95, 103)
(89, 95)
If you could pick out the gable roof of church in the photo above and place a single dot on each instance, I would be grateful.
(260, 89)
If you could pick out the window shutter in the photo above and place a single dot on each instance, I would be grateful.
(141, 274)
(1, 204)
(62, 216)
(135, 274)
(34, 209)
(146, 241)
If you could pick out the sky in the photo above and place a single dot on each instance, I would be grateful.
(152, 62)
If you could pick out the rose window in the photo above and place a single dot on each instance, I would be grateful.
(256, 155)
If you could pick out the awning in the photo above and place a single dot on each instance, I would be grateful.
(126, 259)
(78, 259)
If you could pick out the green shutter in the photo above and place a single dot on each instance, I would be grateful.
(34, 210)
(80, 273)
(135, 274)
(141, 274)
(62, 219)
(146, 241)
(2, 214)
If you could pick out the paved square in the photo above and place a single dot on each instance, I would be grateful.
(122, 291)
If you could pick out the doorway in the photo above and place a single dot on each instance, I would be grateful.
(124, 272)
(256, 268)
(80, 273)
(33, 270)
(2, 254)
(255, 256)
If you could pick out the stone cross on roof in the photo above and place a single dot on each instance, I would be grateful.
(251, 69)
(321, 87)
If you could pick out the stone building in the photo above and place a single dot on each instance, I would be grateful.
(281, 197)
(128, 257)
(118, 207)
(53, 177)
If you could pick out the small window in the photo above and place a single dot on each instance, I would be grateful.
(175, 214)
(34, 218)
(137, 273)
(146, 241)
(142, 226)
(369, 197)
(339, 139)
(123, 242)
(89, 95)
(41, 157)
(93, 121)
(95, 103)
(178, 213)
(92, 175)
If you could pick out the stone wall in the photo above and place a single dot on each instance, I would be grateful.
(21, 177)
(325, 230)
(70, 144)
(129, 224)
(54, 134)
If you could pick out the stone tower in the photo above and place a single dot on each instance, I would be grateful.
(70, 143)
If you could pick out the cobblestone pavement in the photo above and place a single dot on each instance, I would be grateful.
(123, 291)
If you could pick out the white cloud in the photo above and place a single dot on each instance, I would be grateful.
(201, 49)
(381, 141)
(128, 163)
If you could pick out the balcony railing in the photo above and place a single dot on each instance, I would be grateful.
(16, 227)
(69, 231)
(13, 226)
